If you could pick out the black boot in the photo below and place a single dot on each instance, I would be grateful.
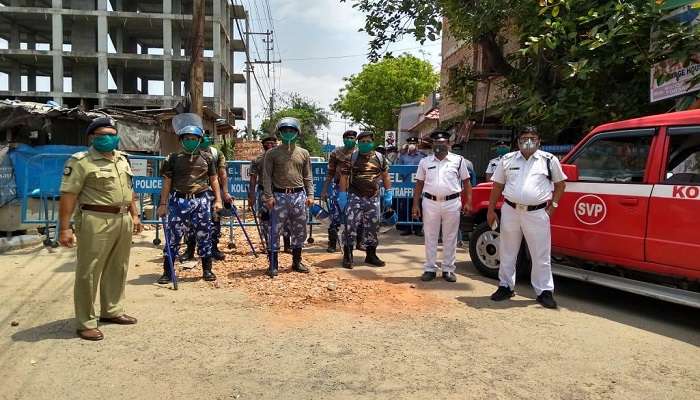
(216, 253)
(296, 262)
(372, 258)
(332, 241)
(347, 257)
(206, 269)
(166, 277)
(287, 244)
(188, 255)
(272, 269)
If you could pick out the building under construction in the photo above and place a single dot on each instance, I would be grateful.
(118, 53)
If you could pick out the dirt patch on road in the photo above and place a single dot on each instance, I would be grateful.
(327, 286)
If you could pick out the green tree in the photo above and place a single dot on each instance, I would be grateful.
(312, 116)
(370, 97)
(577, 63)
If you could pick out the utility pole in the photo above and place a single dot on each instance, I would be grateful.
(269, 47)
(248, 85)
(197, 63)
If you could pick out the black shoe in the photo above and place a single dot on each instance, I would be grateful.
(503, 293)
(272, 270)
(165, 278)
(206, 270)
(361, 246)
(428, 276)
(287, 244)
(188, 255)
(546, 299)
(217, 255)
(449, 276)
(332, 241)
(372, 258)
(297, 265)
(347, 257)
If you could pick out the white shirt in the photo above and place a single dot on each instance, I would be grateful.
(493, 164)
(526, 181)
(443, 178)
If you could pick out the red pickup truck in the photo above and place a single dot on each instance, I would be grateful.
(630, 217)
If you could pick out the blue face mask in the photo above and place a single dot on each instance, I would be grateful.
(105, 143)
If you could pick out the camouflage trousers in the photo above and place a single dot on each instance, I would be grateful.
(264, 218)
(291, 216)
(334, 211)
(215, 229)
(363, 215)
(190, 215)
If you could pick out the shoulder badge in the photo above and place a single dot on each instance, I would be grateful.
(67, 171)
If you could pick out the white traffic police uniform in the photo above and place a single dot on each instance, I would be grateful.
(527, 184)
(443, 180)
(493, 163)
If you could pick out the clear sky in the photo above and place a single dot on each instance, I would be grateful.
(314, 30)
(319, 44)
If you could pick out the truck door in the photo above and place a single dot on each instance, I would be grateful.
(603, 215)
(674, 209)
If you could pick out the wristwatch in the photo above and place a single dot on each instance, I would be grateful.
(554, 204)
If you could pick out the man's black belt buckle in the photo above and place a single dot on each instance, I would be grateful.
(524, 207)
(189, 196)
(435, 198)
(288, 190)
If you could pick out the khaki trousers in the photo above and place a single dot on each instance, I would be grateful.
(104, 244)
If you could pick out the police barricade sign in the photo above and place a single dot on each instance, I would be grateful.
(238, 178)
(403, 180)
(148, 184)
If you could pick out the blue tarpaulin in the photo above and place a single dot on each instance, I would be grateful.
(40, 175)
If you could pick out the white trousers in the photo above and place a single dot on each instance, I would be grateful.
(445, 214)
(535, 226)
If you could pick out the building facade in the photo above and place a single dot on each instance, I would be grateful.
(118, 53)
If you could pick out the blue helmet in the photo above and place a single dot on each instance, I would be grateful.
(389, 218)
(191, 130)
(289, 122)
(319, 213)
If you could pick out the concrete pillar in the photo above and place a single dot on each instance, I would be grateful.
(216, 59)
(57, 52)
(84, 40)
(167, 52)
(129, 80)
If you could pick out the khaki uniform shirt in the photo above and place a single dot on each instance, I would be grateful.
(364, 173)
(256, 168)
(337, 161)
(190, 173)
(285, 169)
(98, 180)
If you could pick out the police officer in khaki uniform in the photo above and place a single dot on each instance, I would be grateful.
(99, 182)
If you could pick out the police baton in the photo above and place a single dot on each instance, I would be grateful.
(238, 218)
(169, 254)
(271, 250)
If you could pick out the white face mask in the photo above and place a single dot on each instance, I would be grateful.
(528, 145)
(412, 148)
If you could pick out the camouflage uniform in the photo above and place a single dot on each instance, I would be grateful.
(190, 200)
(216, 219)
(288, 169)
(337, 161)
(363, 200)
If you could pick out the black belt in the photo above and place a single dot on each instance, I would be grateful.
(435, 198)
(288, 190)
(190, 195)
(529, 208)
(105, 209)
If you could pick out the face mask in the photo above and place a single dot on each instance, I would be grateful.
(440, 150)
(349, 143)
(105, 143)
(412, 148)
(206, 142)
(365, 147)
(288, 137)
(190, 145)
(528, 145)
(501, 150)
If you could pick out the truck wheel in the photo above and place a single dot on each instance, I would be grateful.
(483, 250)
